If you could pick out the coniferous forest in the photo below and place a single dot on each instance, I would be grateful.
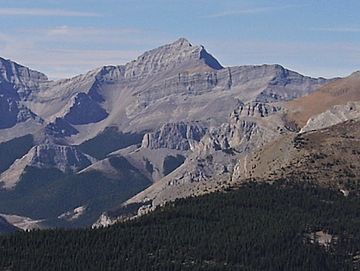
(255, 227)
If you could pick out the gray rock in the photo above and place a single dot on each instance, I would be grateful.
(336, 115)
(179, 136)
(65, 158)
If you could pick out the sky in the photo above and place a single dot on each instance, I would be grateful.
(65, 38)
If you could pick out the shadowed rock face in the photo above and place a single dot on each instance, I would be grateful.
(85, 110)
(17, 80)
(8, 112)
(65, 158)
(60, 128)
(6, 227)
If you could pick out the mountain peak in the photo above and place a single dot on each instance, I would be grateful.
(355, 74)
(182, 42)
(14, 72)
(180, 55)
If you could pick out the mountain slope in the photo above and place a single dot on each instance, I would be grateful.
(178, 118)
(49, 195)
(172, 83)
(339, 92)
(64, 158)
(327, 157)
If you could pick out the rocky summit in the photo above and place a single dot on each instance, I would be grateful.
(118, 141)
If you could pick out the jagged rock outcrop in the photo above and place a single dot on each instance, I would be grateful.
(255, 109)
(18, 81)
(180, 55)
(85, 110)
(277, 88)
(65, 158)
(178, 136)
(211, 164)
(12, 112)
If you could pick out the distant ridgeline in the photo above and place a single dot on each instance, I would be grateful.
(282, 226)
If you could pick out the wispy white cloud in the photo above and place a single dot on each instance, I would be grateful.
(337, 29)
(66, 30)
(249, 11)
(57, 63)
(309, 58)
(45, 12)
(65, 51)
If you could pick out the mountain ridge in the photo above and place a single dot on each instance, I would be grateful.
(172, 123)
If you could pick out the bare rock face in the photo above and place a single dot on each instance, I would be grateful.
(255, 109)
(277, 88)
(336, 115)
(65, 158)
(18, 80)
(16, 83)
(213, 161)
(9, 111)
(85, 110)
(179, 55)
(12, 112)
(249, 126)
(178, 136)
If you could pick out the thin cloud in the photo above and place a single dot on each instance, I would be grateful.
(65, 51)
(309, 58)
(65, 30)
(338, 29)
(248, 11)
(45, 12)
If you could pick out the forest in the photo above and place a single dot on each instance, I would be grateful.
(258, 226)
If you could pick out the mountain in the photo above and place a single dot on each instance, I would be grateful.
(64, 158)
(172, 123)
(327, 156)
(337, 94)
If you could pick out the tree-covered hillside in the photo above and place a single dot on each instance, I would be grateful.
(256, 227)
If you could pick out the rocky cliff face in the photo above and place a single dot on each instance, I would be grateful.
(65, 158)
(178, 136)
(180, 55)
(18, 81)
(16, 84)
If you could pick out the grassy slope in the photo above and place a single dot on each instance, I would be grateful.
(338, 92)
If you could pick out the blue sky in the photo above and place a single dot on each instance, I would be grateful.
(65, 38)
